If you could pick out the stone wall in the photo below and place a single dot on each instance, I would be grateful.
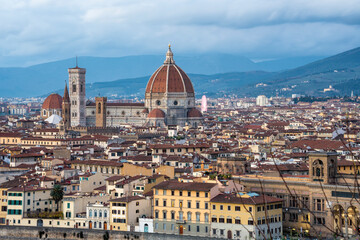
(10, 232)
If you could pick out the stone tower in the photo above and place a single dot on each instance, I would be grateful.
(66, 109)
(100, 103)
(77, 95)
(323, 167)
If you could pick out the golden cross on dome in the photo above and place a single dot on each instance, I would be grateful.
(169, 45)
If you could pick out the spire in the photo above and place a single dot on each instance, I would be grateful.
(66, 94)
(169, 56)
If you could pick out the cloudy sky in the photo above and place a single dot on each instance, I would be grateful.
(34, 31)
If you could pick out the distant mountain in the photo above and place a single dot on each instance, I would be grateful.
(212, 85)
(342, 71)
(285, 63)
(213, 74)
(44, 78)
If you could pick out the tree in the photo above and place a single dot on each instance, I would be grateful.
(57, 194)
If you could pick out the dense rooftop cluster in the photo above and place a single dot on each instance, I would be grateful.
(246, 171)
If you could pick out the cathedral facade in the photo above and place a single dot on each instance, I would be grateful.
(169, 100)
(170, 96)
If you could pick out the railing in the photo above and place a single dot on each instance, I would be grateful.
(180, 221)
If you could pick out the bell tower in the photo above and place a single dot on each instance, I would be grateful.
(100, 103)
(77, 95)
(323, 167)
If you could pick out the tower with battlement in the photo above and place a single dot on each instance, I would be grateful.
(100, 103)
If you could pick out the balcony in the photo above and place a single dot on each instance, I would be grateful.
(180, 221)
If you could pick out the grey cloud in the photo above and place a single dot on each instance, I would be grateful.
(49, 29)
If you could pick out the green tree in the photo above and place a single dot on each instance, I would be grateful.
(57, 194)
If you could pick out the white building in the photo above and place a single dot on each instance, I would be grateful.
(262, 100)
(145, 225)
(98, 215)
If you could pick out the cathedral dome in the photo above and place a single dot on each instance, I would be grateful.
(156, 113)
(194, 113)
(53, 101)
(169, 78)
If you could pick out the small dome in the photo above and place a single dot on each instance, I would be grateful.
(194, 113)
(156, 113)
(145, 110)
(53, 101)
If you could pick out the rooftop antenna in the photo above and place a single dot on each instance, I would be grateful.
(76, 61)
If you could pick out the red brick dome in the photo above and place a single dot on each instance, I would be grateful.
(169, 78)
(194, 113)
(156, 113)
(53, 101)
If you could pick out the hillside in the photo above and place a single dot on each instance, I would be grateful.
(213, 74)
(342, 71)
(43, 78)
(212, 85)
(311, 79)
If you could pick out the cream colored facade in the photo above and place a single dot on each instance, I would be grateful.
(126, 211)
(73, 206)
(10, 138)
(178, 149)
(114, 168)
(3, 205)
(118, 114)
(26, 200)
(183, 208)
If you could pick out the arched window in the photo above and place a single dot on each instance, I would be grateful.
(90, 213)
(100, 213)
(95, 213)
(319, 168)
(180, 215)
(206, 217)
(105, 213)
(198, 217)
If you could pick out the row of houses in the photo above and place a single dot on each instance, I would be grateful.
(171, 206)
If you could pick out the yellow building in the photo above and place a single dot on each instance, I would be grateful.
(10, 138)
(246, 216)
(126, 211)
(183, 208)
(178, 149)
(26, 200)
(110, 168)
(4, 187)
(12, 150)
(3, 205)
(348, 167)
